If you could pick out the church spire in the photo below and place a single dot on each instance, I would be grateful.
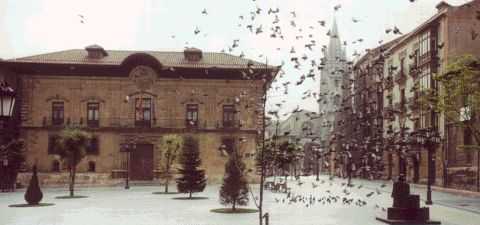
(334, 29)
(335, 50)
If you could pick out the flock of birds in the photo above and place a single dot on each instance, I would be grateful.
(300, 44)
(328, 196)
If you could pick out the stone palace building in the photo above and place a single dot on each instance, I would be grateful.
(137, 96)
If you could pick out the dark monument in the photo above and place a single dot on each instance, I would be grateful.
(406, 207)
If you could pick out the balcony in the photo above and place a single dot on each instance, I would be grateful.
(414, 71)
(399, 107)
(54, 122)
(400, 77)
(228, 124)
(388, 82)
(122, 122)
(388, 113)
(93, 123)
(130, 123)
(413, 103)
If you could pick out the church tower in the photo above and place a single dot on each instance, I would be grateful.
(332, 75)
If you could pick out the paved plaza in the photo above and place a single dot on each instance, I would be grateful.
(138, 206)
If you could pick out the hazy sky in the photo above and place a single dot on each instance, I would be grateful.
(29, 27)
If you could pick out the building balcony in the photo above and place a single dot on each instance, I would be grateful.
(414, 71)
(131, 123)
(400, 77)
(413, 103)
(388, 82)
(388, 113)
(228, 124)
(55, 122)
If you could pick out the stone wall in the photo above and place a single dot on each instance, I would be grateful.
(116, 122)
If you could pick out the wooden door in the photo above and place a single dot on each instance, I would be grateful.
(141, 162)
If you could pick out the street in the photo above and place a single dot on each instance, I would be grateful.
(116, 206)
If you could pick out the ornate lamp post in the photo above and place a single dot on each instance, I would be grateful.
(128, 147)
(317, 151)
(429, 138)
(7, 103)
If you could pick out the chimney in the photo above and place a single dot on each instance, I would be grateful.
(192, 54)
(442, 5)
(96, 51)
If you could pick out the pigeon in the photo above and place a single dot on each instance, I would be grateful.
(204, 12)
(337, 7)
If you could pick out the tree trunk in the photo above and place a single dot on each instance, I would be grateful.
(233, 205)
(190, 195)
(167, 179)
(73, 169)
(72, 180)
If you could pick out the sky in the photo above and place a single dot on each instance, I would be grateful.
(30, 27)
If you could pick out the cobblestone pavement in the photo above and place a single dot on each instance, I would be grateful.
(138, 206)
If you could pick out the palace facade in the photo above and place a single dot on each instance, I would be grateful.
(138, 97)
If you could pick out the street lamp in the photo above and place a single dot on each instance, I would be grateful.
(429, 138)
(317, 150)
(128, 147)
(7, 103)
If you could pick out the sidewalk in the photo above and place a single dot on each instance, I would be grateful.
(459, 199)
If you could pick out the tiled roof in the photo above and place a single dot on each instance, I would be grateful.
(167, 59)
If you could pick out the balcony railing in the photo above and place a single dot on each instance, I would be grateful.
(414, 71)
(413, 103)
(55, 122)
(400, 77)
(388, 82)
(228, 124)
(127, 122)
(399, 107)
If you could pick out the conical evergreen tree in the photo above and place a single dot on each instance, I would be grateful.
(234, 189)
(192, 179)
(33, 195)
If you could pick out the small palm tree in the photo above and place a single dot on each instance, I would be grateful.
(170, 146)
(71, 145)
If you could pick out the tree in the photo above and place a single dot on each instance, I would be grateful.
(459, 100)
(193, 179)
(234, 189)
(70, 146)
(33, 195)
(170, 144)
(287, 156)
(14, 155)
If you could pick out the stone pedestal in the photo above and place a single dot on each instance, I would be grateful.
(412, 215)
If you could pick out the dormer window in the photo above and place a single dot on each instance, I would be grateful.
(192, 54)
(96, 51)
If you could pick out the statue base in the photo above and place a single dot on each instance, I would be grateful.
(410, 216)
(407, 222)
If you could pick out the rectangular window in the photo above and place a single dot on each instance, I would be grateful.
(92, 148)
(425, 78)
(93, 112)
(57, 113)
(143, 112)
(228, 115)
(192, 115)
(52, 140)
